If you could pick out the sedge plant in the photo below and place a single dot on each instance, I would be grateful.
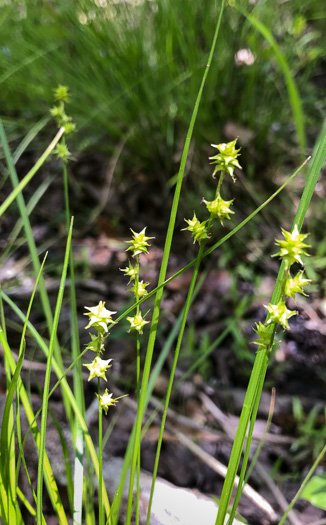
(291, 248)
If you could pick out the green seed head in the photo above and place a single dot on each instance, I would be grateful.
(219, 208)
(139, 243)
(295, 285)
(292, 247)
(198, 229)
(279, 314)
(226, 158)
(61, 93)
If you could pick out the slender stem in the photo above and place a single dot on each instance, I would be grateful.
(47, 379)
(78, 436)
(32, 172)
(138, 388)
(304, 483)
(100, 459)
(173, 369)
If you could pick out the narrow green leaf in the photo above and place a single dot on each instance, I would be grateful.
(47, 379)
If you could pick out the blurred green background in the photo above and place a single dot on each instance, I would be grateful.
(134, 69)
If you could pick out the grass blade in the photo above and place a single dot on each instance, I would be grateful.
(9, 200)
(47, 379)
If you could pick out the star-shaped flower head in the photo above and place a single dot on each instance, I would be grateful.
(198, 229)
(98, 367)
(99, 317)
(226, 158)
(292, 247)
(130, 271)
(106, 400)
(140, 290)
(295, 284)
(279, 314)
(139, 243)
(219, 208)
(136, 323)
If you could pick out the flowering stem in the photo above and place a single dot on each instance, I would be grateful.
(100, 464)
(174, 365)
(218, 189)
(138, 387)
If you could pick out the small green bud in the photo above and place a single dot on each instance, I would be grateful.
(141, 290)
(292, 247)
(130, 271)
(62, 152)
(61, 93)
(219, 208)
(295, 284)
(198, 229)
(70, 127)
(137, 323)
(226, 159)
(58, 113)
(139, 243)
(264, 333)
(279, 314)
(98, 367)
(96, 343)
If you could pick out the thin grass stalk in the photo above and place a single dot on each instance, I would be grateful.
(26, 503)
(21, 357)
(29, 137)
(261, 362)
(18, 189)
(47, 379)
(240, 486)
(304, 483)
(171, 379)
(138, 389)
(7, 435)
(8, 456)
(100, 457)
(66, 458)
(262, 441)
(37, 195)
(78, 436)
(167, 247)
